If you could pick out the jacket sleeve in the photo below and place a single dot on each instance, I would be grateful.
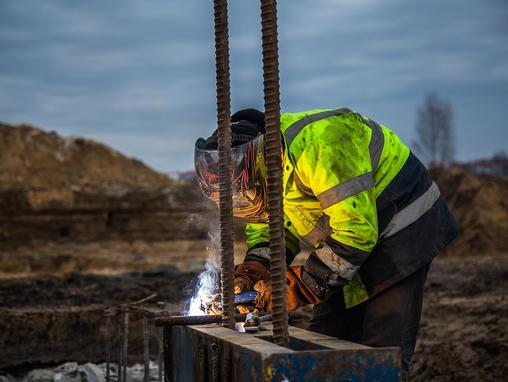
(338, 170)
(258, 242)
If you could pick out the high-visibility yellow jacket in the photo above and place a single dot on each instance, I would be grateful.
(349, 185)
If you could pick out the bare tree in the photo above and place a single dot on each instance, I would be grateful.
(435, 141)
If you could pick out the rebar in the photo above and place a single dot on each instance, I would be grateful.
(224, 143)
(193, 320)
(160, 343)
(108, 345)
(146, 350)
(274, 170)
(120, 348)
(125, 343)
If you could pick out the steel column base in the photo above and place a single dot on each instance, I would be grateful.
(211, 353)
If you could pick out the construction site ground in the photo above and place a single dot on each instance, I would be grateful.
(51, 309)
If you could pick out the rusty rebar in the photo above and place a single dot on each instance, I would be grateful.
(224, 140)
(125, 343)
(146, 350)
(193, 320)
(274, 170)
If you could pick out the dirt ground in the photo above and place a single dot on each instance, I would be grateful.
(53, 296)
(464, 328)
(50, 314)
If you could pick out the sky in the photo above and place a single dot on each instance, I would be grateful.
(140, 75)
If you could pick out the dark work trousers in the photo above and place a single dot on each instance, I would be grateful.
(390, 318)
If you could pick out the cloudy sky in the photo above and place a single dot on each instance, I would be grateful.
(140, 76)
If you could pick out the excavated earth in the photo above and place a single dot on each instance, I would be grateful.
(84, 228)
(77, 190)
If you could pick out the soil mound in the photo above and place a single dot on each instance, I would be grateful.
(480, 205)
(31, 158)
(74, 189)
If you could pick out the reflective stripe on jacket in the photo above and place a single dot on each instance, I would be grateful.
(338, 166)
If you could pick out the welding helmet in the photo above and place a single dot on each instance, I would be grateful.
(248, 168)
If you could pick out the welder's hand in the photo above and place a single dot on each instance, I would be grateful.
(244, 302)
(263, 300)
(298, 293)
(249, 273)
(244, 309)
(214, 308)
(212, 304)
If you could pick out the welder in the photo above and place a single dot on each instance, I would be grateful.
(365, 204)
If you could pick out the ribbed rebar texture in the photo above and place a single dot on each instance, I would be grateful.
(224, 126)
(274, 166)
(193, 320)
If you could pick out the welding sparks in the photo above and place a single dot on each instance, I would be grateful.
(205, 299)
(206, 293)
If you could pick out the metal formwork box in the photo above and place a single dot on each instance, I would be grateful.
(211, 353)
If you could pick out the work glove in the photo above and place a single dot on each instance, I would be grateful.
(249, 273)
(298, 293)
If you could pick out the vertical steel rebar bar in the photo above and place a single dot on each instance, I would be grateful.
(108, 345)
(146, 349)
(160, 344)
(224, 138)
(120, 347)
(274, 169)
(125, 343)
